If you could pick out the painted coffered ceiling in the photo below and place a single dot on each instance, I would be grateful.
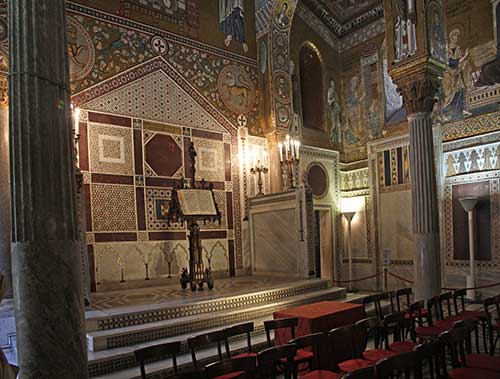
(345, 16)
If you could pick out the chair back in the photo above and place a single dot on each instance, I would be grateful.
(314, 342)
(202, 340)
(454, 340)
(391, 296)
(469, 325)
(403, 296)
(187, 375)
(394, 324)
(459, 300)
(374, 299)
(363, 330)
(433, 353)
(408, 363)
(434, 310)
(156, 353)
(268, 361)
(492, 309)
(445, 300)
(341, 344)
(282, 323)
(363, 373)
(246, 366)
(237, 330)
(416, 312)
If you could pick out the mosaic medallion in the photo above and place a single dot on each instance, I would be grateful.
(81, 50)
(236, 89)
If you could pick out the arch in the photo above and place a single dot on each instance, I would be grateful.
(311, 87)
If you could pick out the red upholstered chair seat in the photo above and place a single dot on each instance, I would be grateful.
(423, 313)
(302, 356)
(436, 329)
(483, 361)
(321, 374)
(231, 375)
(402, 346)
(244, 355)
(375, 355)
(472, 373)
(354, 364)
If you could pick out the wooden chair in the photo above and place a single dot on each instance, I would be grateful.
(315, 342)
(158, 352)
(492, 310)
(445, 301)
(403, 299)
(363, 330)
(302, 356)
(394, 325)
(432, 352)
(204, 340)
(455, 341)
(461, 312)
(187, 375)
(364, 373)
(237, 330)
(270, 359)
(245, 367)
(374, 299)
(342, 351)
(436, 324)
(408, 363)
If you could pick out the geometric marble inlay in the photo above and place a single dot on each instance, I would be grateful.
(111, 149)
(163, 155)
(210, 162)
(155, 97)
(113, 207)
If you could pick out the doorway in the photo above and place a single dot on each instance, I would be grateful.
(323, 244)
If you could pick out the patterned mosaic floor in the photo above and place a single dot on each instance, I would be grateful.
(163, 294)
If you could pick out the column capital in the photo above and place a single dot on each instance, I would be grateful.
(419, 95)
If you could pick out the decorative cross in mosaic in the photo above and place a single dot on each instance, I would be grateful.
(159, 45)
(242, 120)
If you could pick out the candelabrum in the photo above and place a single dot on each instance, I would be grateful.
(289, 152)
(258, 170)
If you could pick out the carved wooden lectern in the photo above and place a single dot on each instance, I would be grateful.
(192, 203)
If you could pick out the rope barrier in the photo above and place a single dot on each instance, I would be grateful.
(446, 288)
(358, 280)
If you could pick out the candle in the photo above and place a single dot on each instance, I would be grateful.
(280, 148)
(287, 145)
(76, 115)
(292, 148)
(297, 149)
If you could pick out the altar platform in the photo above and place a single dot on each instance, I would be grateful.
(125, 320)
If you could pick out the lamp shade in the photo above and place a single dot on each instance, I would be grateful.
(352, 204)
(468, 203)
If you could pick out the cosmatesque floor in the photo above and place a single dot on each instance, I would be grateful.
(172, 291)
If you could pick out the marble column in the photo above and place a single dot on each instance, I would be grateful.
(5, 230)
(418, 97)
(45, 257)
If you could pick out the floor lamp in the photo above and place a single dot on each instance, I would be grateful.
(349, 216)
(468, 204)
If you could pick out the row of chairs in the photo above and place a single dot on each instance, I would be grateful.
(437, 314)
(349, 358)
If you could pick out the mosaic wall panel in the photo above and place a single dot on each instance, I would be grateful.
(113, 207)
(157, 200)
(210, 163)
(110, 149)
(394, 169)
(474, 159)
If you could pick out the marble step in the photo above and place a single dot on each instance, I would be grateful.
(106, 362)
(143, 314)
(130, 335)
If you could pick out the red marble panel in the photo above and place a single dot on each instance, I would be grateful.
(83, 146)
(141, 209)
(187, 159)
(90, 253)
(160, 182)
(229, 208)
(115, 237)
(206, 134)
(163, 155)
(166, 236)
(88, 207)
(227, 161)
(138, 152)
(232, 268)
(110, 119)
(112, 179)
(212, 234)
(482, 221)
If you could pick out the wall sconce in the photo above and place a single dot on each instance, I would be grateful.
(289, 152)
(348, 207)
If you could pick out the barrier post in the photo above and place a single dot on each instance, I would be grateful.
(386, 286)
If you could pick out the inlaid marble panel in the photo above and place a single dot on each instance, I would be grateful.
(113, 207)
(210, 160)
